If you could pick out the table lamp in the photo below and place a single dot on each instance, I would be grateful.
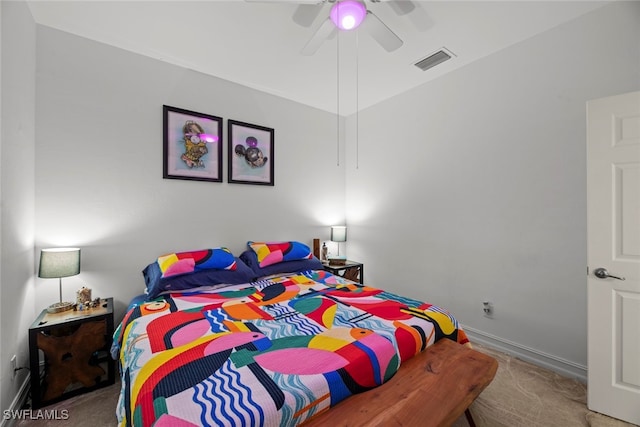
(338, 234)
(59, 263)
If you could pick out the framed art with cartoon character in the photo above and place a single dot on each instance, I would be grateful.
(250, 153)
(192, 145)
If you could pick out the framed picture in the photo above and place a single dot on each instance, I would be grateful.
(250, 153)
(192, 145)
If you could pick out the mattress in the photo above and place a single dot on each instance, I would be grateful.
(273, 352)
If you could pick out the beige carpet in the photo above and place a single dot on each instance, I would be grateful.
(521, 395)
(524, 395)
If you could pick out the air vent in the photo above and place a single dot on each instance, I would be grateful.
(434, 59)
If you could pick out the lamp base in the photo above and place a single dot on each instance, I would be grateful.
(59, 307)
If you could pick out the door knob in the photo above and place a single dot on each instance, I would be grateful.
(602, 273)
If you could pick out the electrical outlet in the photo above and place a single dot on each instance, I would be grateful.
(14, 366)
(487, 308)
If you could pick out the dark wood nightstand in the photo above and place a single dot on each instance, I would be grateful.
(350, 270)
(75, 345)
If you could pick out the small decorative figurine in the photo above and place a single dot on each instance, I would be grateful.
(323, 254)
(83, 295)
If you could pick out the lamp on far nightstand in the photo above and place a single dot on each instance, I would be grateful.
(338, 234)
(59, 263)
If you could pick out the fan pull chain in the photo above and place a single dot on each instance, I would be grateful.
(357, 100)
(338, 98)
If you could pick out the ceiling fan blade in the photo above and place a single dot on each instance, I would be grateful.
(381, 33)
(305, 14)
(322, 33)
(402, 7)
(286, 1)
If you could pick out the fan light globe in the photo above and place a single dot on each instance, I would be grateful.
(348, 14)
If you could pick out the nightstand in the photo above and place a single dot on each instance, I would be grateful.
(350, 270)
(75, 350)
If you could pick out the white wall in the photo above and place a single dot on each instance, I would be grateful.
(99, 166)
(16, 192)
(475, 187)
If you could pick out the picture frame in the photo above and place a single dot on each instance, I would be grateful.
(192, 145)
(250, 153)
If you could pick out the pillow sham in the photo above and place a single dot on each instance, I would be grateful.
(269, 253)
(156, 283)
(251, 259)
(187, 262)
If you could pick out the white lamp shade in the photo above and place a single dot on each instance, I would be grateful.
(59, 262)
(338, 233)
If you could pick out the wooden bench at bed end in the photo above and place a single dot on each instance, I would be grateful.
(433, 388)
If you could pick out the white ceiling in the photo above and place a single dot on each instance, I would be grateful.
(257, 44)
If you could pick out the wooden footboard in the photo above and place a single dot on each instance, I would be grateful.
(434, 388)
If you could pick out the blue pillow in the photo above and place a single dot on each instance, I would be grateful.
(156, 283)
(296, 266)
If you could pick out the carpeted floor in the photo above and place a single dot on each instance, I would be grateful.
(524, 395)
(521, 395)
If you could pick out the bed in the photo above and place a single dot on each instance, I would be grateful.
(276, 345)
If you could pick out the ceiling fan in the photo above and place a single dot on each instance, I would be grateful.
(347, 15)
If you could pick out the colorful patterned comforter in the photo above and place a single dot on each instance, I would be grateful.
(270, 353)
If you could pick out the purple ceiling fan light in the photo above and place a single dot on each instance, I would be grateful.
(348, 14)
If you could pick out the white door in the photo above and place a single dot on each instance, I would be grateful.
(613, 222)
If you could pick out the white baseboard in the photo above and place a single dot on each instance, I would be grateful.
(18, 401)
(557, 364)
